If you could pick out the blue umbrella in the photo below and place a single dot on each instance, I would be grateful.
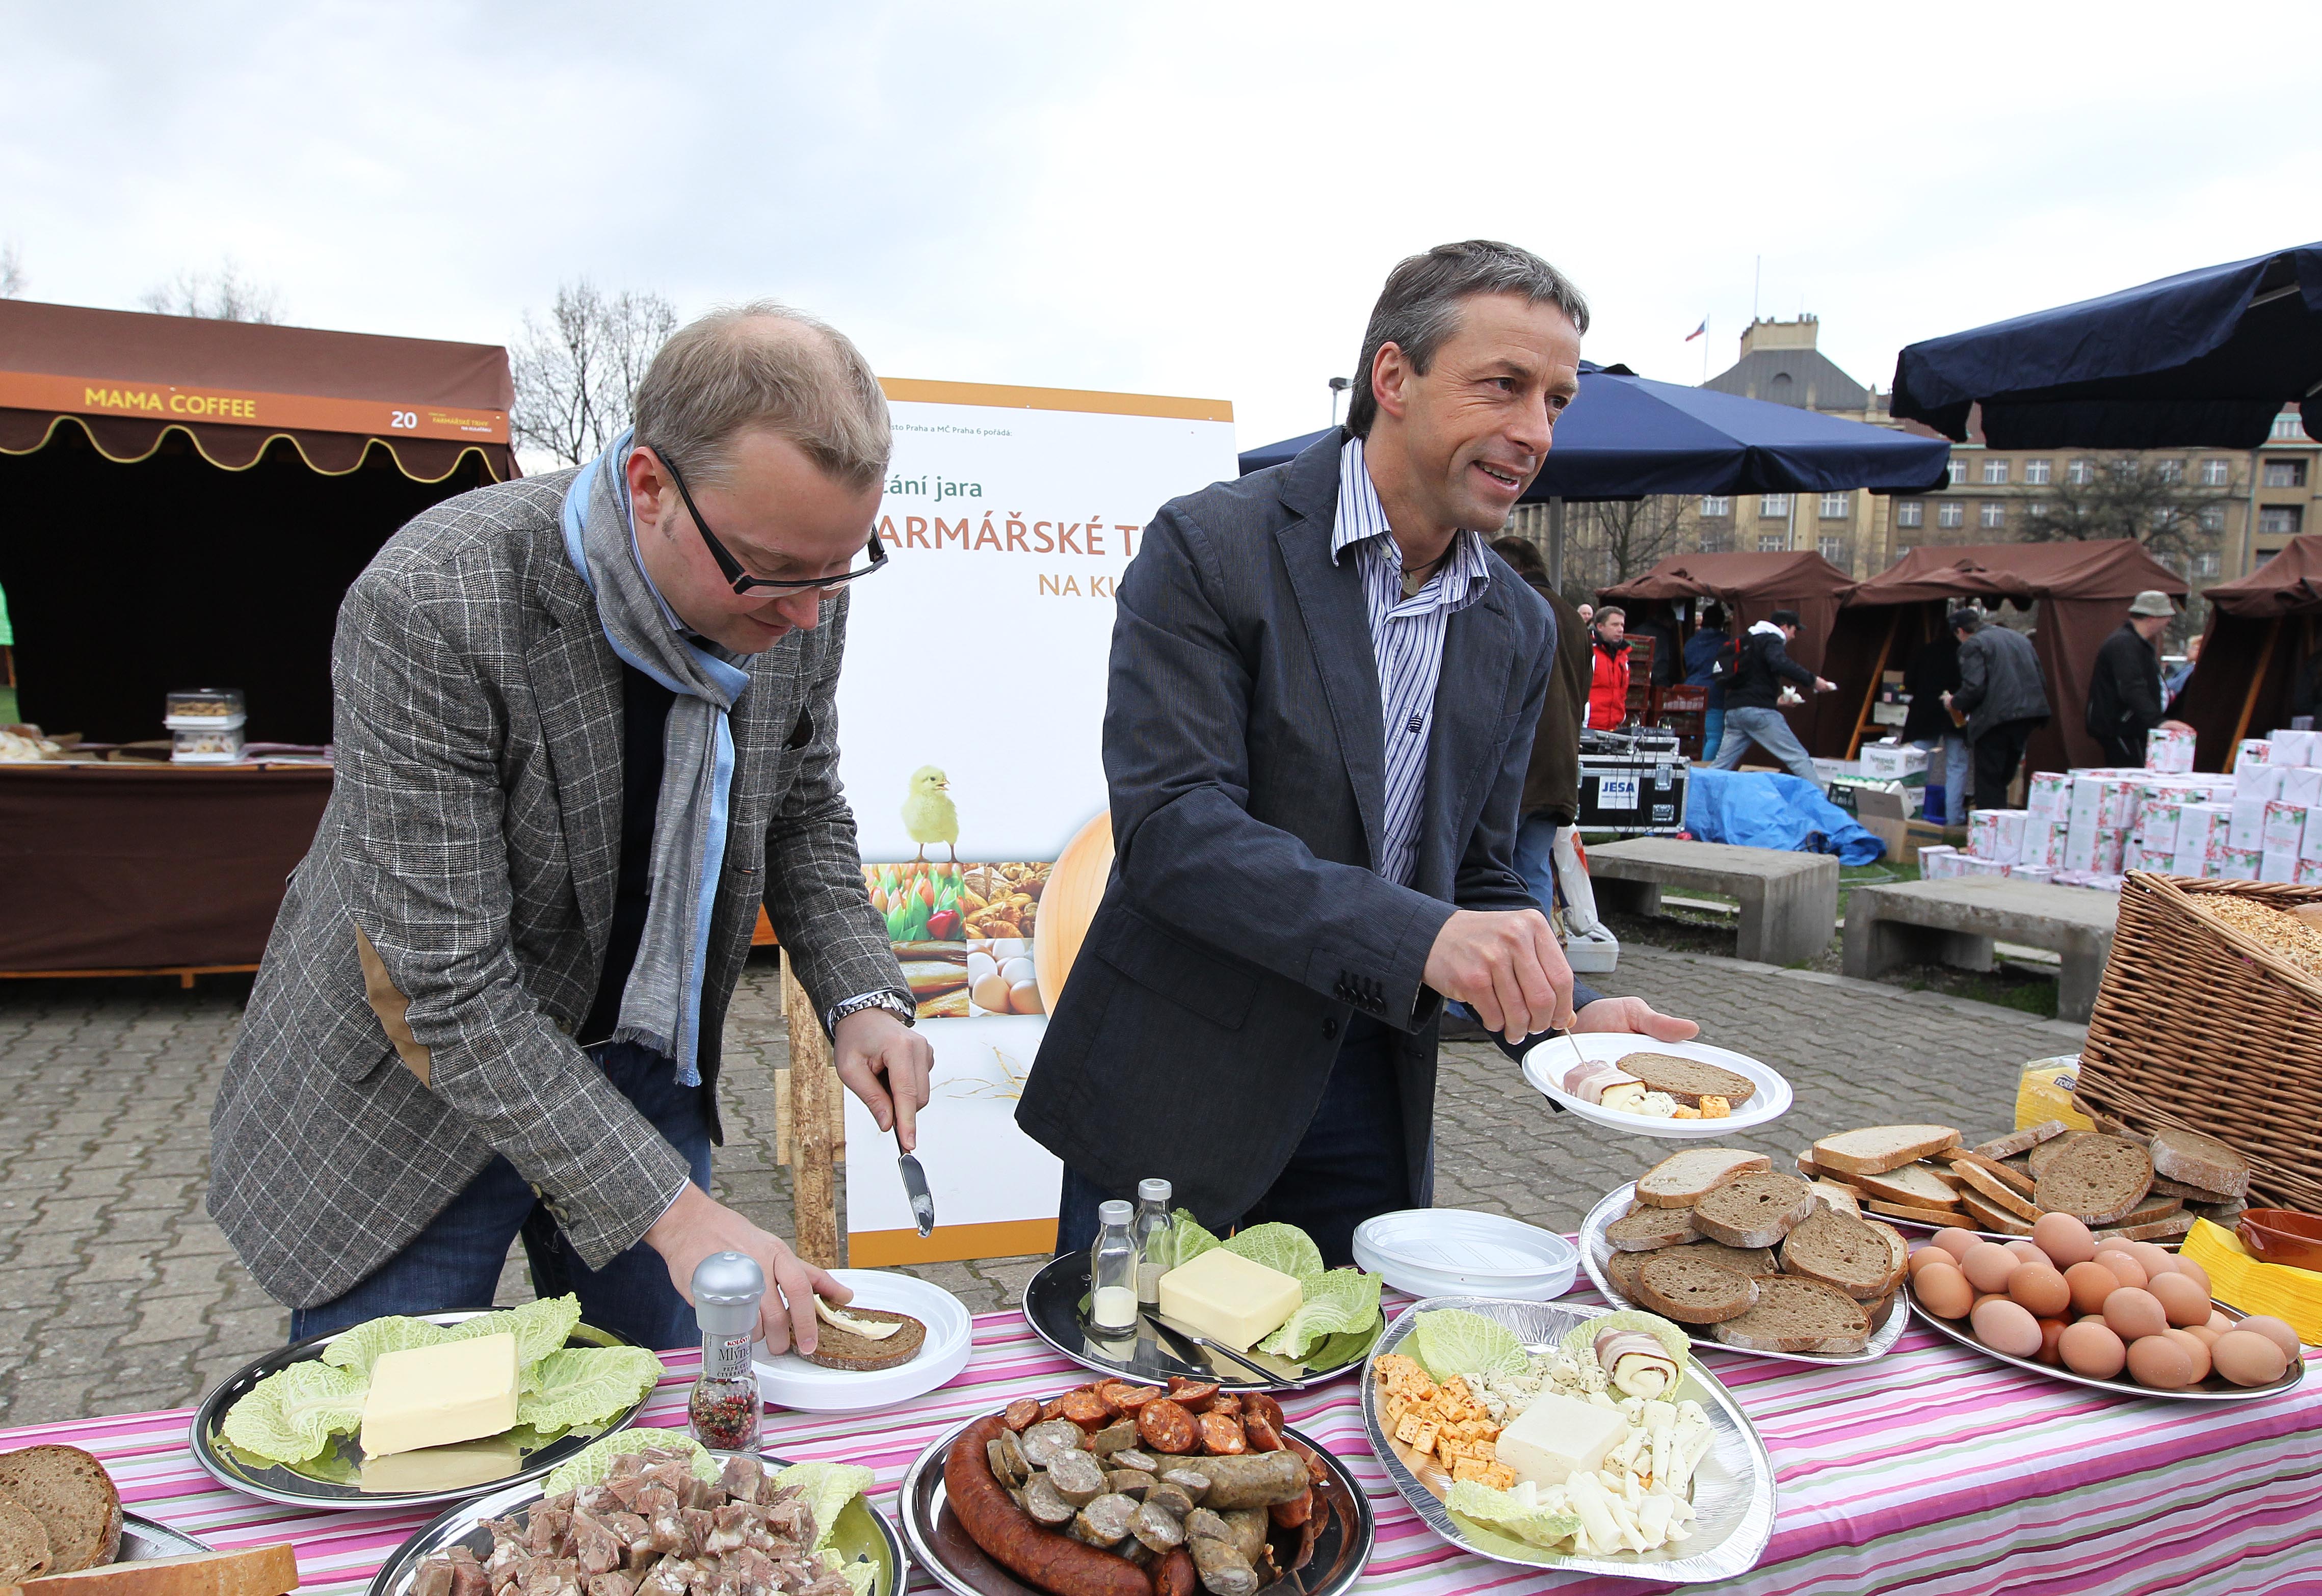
(2208, 357)
(1626, 436)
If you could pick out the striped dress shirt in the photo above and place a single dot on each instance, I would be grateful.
(1407, 638)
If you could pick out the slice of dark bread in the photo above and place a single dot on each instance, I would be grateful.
(2048, 1152)
(1990, 1218)
(1684, 1178)
(74, 1498)
(1793, 1315)
(2227, 1214)
(2167, 1229)
(2163, 1186)
(2196, 1160)
(834, 1348)
(2016, 1180)
(1648, 1229)
(1754, 1211)
(1685, 1080)
(24, 1552)
(1694, 1290)
(2096, 1179)
(2022, 1141)
(1840, 1251)
(1754, 1262)
(1996, 1192)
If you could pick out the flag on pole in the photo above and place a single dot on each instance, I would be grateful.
(1698, 332)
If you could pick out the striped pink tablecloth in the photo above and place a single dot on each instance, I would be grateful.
(1932, 1469)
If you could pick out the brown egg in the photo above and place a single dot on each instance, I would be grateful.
(1944, 1290)
(1983, 1297)
(2157, 1260)
(1927, 1255)
(2244, 1357)
(2195, 1348)
(2006, 1326)
(2196, 1274)
(1988, 1265)
(2090, 1285)
(2039, 1288)
(2273, 1329)
(1957, 1242)
(2052, 1335)
(2160, 1362)
(2089, 1348)
(2025, 1252)
(2124, 1267)
(2134, 1312)
(2184, 1302)
(2220, 1323)
(2205, 1334)
(2064, 1239)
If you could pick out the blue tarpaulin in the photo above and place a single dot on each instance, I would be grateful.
(1759, 810)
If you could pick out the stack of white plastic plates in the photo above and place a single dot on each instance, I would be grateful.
(1460, 1253)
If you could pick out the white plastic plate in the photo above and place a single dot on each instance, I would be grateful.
(788, 1381)
(1454, 1251)
(1768, 1103)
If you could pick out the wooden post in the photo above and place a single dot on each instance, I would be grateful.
(2249, 699)
(1877, 674)
(817, 1129)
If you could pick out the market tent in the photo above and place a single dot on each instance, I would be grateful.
(2264, 629)
(2204, 357)
(2082, 589)
(194, 496)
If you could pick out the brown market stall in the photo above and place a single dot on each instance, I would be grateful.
(190, 500)
(2082, 589)
(2263, 636)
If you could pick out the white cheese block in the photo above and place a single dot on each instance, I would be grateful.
(1228, 1299)
(432, 1396)
(1558, 1437)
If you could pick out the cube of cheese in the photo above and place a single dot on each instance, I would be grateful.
(1228, 1299)
(1558, 1437)
(430, 1396)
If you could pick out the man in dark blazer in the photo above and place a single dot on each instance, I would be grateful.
(1323, 692)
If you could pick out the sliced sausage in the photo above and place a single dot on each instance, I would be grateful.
(1223, 1570)
(1105, 1521)
(1155, 1529)
(1041, 1557)
(1079, 1479)
(1192, 1482)
(1171, 1498)
(1117, 1436)
(1045, 1502)
(998, 1457)
(1133, 1459)
(1020, 1415)
(1133, 1482)
(1246, 1526)
(1083, 1406)
(1290, 1514)
(1221, 1434)
(1225, 1402)
(1048, 1440)
(1259, 1404)
(1261, 1435)
(1173, 1574)
(1166, 1427)
(1191, 1393)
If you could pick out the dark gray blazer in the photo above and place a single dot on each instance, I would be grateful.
(1244, 924)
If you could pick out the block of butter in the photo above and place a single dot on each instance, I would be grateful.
(1228, 1299)
(1558, 1437)
(453, 1467)
(430, 1396)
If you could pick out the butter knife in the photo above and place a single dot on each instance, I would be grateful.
(1184, 1335)
(915, 1187)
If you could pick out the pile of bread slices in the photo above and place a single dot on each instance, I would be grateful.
(1761, 1261)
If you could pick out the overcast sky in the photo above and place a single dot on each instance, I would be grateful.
(1184, 198)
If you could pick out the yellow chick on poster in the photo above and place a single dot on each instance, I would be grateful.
(928, 814)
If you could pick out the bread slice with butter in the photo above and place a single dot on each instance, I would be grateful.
(864, 1339)
(255, 1571)
(1684, 1178)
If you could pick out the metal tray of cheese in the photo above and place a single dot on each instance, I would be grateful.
(1055, 1305)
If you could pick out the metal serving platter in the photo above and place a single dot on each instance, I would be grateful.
(1055, 1305)
(1595, 1252)
(1733, 1491)
(945, 1550)
(142, 1540)
(2210, 1389)
(863, 1535)
(334, 1479)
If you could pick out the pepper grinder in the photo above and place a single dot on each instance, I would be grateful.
(725, 1406)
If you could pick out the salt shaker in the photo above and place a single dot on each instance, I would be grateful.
(724, 1409)
(1113, 1269)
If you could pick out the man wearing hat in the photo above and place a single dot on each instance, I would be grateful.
(2001, 695)
(2125, 699)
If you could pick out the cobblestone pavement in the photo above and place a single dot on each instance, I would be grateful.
(118, 1294)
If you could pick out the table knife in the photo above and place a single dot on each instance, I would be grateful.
(1185, 1336)
(915, 1187)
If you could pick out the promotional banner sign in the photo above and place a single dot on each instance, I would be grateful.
(971, 718)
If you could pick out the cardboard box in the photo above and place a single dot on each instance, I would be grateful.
(2292, 748)
(1939, 863)
(2257, 782)
(2252, 751)
(2274, 865)
(1969, 865)
(2166, 749)
(1893, 762)
(2230, 863)
(2248, 827)
(2308, 872)
(2088, 794)
(1884, 812)
(2157, 820)
(2043, 843)
(2048, 794)
(2284, 829)
(2029, 872)
(2112, 842)
(2117, 803)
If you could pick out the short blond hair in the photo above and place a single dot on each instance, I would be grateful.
(764, 365)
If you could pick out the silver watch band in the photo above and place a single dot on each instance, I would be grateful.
(890, 1001)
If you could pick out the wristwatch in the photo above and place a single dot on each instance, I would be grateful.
(894, 1003)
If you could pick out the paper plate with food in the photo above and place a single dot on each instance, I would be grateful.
(1255, 1310)
(1569, 1438)
(402, 1411)
(654, 1513)
(1750, 1259)
(899, 1338)
(1115, 1489)
(1680, 1089)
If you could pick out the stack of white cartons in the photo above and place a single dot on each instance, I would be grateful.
(1970, 865)
(2201, 828)
(1938, 863)
(2167, 748)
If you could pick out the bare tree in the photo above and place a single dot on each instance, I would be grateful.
(12, 270)
(2146, 498)
(225, 294)
(1613, 541)
(577, 375)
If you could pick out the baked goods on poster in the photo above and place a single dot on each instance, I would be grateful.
(647, 1512)
(1589, 1446)
(58, 1512)
(865, 1339)
(2117, 1184)
(1114, 1488)
(1654, 1085)
(2097, 1306)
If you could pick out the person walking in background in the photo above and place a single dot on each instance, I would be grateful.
(2184, 673)
(1932, 672)
(2000, 694)
(2126, 698)
(1608, 691)
(1763, 666)
(1709, 643)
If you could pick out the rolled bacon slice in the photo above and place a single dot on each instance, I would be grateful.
(1637, 1364)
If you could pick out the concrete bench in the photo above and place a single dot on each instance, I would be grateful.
(1955, 922)
(1790, 901)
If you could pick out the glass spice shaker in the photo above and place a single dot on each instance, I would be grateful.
(1113, 1269)
(1151, 1234)
(724, 1408)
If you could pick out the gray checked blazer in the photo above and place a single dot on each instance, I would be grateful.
(445, 935)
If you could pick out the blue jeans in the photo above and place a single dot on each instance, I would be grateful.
(1713, 731)
(1770, 732)
(1536, 858)
(455, 1262)
(1955, 776)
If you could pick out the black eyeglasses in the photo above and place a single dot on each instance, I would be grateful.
(742, 580)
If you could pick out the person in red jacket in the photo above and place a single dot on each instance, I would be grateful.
(1608, 689)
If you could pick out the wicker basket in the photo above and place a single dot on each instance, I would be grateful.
(2202, 1027)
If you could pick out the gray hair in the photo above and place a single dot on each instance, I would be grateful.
(763, 365)
(1418, 307)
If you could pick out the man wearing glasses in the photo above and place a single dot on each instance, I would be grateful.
(581, 736)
